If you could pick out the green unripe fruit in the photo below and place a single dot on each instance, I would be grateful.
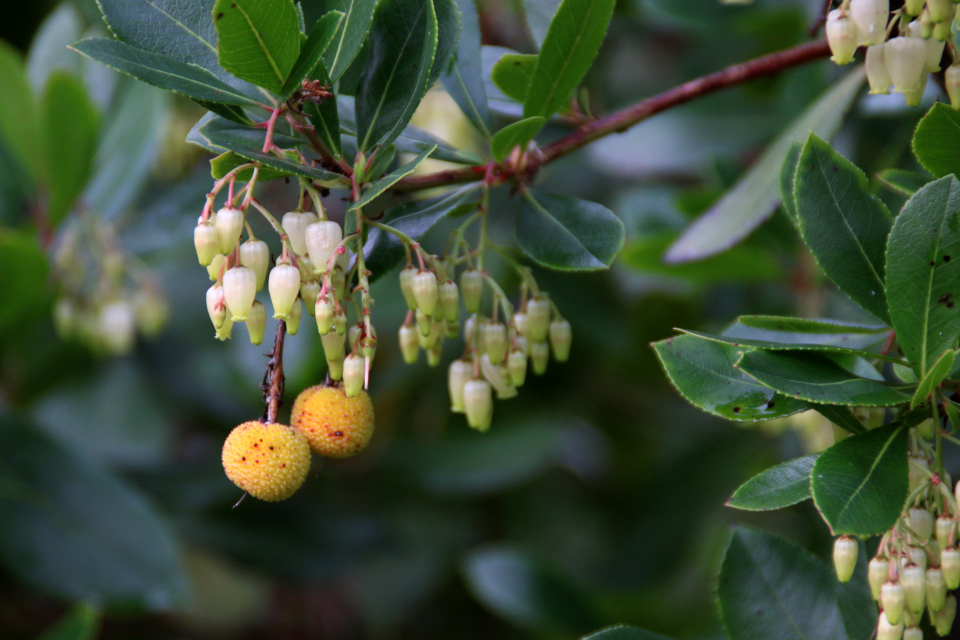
(936, 589)
(229, 225)
(458, 374)
(495, 342)
(878, 570)
(913, 581)
(407, 274)
(409, 343)
(478, 404)
(845, 550)
(921, 523)
(257, 322)
(268, 461)
(944, 618)
(892, 599)
(950, 565)
(239, 291)
(206, 243)
(471, 288)
(426, 291)
(284, 287)
(540, 357)
(324, 314)
(255, 254)
(450, 301)
(353, 373)
(295, 225)
(538, 319)
(293, 320)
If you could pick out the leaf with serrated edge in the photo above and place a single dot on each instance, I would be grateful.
(512, 74)
(905, 183)
(859, 485)
(934, 377)
(791, 346)
(936, 141)
(352, 34)
(257, 40)
(841, 417)
(321, 35)
(788, 172)
(804, 331)
(387, 181)
(703, 372)
(463, 79)
(778, 487)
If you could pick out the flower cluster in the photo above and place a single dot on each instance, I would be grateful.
(903, 61)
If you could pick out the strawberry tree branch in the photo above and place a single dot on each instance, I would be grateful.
(620, 121)
(272, 385)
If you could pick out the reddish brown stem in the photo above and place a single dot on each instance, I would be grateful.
(622, 120)
(272, 385)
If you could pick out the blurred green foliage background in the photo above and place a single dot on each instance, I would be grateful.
(597, 497)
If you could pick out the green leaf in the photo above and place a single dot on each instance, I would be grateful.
(814, 377)
(923, 273)
(572, 42)
(903, 182)
(841, 417)
(19, 127)
(624, 632)
(25, 267)
(257, 40)
(80, 623)
(463, 79)
(788, 174)
(48, 50)
(936, 375)
(324, 116)
(843, 224)
(567, 233)
(512, 74)
(778, 487)
(321, 35)
(539, 14)
(771, 588)
(860, 484)
(403, 41)
(937, 139)
(835, 351)
(383, 251)
(703, 372)
(387, 181)
(227, 162)
(755, 195)
(350, 38)
(448, 33)
(73, 530)
(518, 133)
(806, 331)
(742, 264)
(70, 123)
(162, 71)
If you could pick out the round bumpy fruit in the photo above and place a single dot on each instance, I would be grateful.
(268, 461)
(336, 426)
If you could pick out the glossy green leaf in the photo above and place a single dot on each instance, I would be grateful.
(624, 632)
(162, 71)
(937, 139)
(514, 134)
(463, 78)
(228, 161)
(539, 14)
(349, 40)
(937, 374)
(741, 264)
(26, 269)
(378, 165)
(703, 372)
(19, 126)
(377, 188)
(755, 195)
(905, 183)
(787, 330)
(403, 41)
(321, 35)
(567, 233)
(814, 377)
(324, 116)
(834, 351)
(860, 483)
(512, 74)
(569, 48)
(80, 623)
(841, 417)
(771, 588)
(70, 123)
(448, 35)
(257, 40)
(383, 251)
(788, 174)
(71, 529)
(923, 273)
(843, 224)
(778, 487)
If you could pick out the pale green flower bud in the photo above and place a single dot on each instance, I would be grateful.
(946, 529)
(920, 522)
(338, 282)
(870, 16)
(560, 338)
(944, 618)
(941, 31)
(495, 342)
(917, 476)
(206, 242)
(435, 354)
(517, 365)
(424, 322)
(239, 290)
(409, 343)
(368, 345)
(324, 314)
(478, 404)
(925, 429)
(257, 322)
(152, 311)
(407, 274)
(226, 329)
(459, 372)
(540, 357)
(426, 290)
(905, 58)
(520, 322)
(452, 329)
(915, 97)
(117, 326)
(842, 37)
(353, 334)
(538, 319)
(877, 74)
(498, 377)
(950, 564)
(913, 581)
(912, 633)
(293, 321)
(892, 599)
(322, 239)
(213, 269)
(333, 345)
(309, 292)
(888, 631)
(450, 301)
(951, 78)
(229, 224)
(914, 7)
(340, 322)
(215, 306)
(940, 10)
(434, 337)
(845, 550)
(255, 254)
(878, 570)
(936, 589)
(914, 555)
(295, 225)
(471, 288)
(335, 366)
(353, 374)
(284, 287)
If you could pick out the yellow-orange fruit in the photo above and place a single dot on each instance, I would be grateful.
(268, 461)
(336, 426)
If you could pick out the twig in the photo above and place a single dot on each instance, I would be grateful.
(272, 385)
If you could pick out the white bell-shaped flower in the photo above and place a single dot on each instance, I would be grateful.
(906, 58)
(841, 36)
(255, 254)
(478, 404)
(877, 74)
(870, 16)
(322, 239)
(239, 290)
(295, 226)
(229, 226)
(284, 286)
(206, 242)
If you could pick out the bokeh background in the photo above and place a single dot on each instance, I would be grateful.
(596, 498)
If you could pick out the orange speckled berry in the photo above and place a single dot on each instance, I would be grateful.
(336, 426)
(268, 461)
